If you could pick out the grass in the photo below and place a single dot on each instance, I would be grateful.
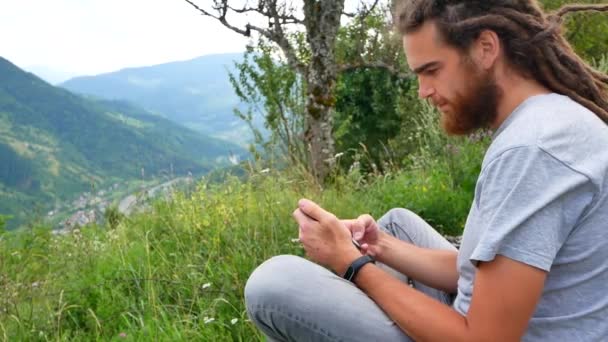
(177, 271)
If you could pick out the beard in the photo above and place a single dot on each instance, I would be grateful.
(476, 106)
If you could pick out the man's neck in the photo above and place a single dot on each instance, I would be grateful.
(515, 90)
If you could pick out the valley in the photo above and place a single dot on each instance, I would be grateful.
(66, 157)
(123, 197)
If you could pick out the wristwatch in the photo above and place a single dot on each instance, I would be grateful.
(353, 269)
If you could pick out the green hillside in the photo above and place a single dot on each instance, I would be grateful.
(194, 93)
(54, 144)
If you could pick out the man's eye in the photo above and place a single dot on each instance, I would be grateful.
(431, 72)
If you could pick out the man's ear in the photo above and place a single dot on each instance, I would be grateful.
(487, 49)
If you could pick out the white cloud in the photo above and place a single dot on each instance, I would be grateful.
(94, 36)
(79, 37)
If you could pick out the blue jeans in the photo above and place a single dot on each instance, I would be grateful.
(292, 299)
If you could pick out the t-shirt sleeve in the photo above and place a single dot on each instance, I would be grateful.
(530, 202)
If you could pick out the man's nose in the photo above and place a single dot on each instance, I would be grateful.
(425, 89)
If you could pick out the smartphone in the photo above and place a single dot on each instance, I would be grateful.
(356, 243)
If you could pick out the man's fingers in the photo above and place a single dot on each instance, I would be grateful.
(314, 211)
(364, 248)
(357, 229)
(302, 219)
(366, 221)
(354, 227)
(348, 223)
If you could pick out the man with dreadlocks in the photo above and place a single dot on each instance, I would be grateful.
(533, 261)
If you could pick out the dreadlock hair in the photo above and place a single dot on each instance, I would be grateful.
(532, 40)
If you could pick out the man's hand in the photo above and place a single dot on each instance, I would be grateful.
(433, 267)
(365, 230)
(326, 239)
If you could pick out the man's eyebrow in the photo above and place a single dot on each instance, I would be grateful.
(425, 66)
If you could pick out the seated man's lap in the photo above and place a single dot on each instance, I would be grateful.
(291, 298)
(407, 226)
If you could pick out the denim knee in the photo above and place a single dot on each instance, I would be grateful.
(269, 283)
(292, 299)
(409, 227)
(397, 215)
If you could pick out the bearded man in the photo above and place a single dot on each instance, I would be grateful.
(533, 260)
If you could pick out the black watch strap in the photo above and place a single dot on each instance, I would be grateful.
(353, 269)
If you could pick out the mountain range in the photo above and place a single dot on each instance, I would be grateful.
(195, 93)
(54, 144)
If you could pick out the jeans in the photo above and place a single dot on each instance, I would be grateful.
(292, 299)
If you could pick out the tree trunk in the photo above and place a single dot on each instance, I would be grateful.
(322, 21)
(320, 143)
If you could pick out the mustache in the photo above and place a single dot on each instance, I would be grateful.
(437, 102)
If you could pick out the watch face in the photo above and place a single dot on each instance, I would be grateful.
(352, 270)
(349, 273)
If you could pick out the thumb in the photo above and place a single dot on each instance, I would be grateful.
(357, 229)
(367, 222)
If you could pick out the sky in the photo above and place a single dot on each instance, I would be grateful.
(59, 39)
(65, 38)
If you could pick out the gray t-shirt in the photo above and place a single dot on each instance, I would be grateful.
(542, 199)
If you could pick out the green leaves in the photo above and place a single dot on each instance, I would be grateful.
(3, 219)
(586, 31)
(275, 96)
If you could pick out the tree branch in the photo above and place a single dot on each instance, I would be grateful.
(362, 13)
(279, 37)
(285, 18)
(221, 17)
(579, 8)
(274, 33)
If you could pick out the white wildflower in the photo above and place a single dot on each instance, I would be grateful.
(234, 321)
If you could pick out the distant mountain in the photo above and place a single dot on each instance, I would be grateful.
(52, 76)
(195, 93)
(54, 144)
